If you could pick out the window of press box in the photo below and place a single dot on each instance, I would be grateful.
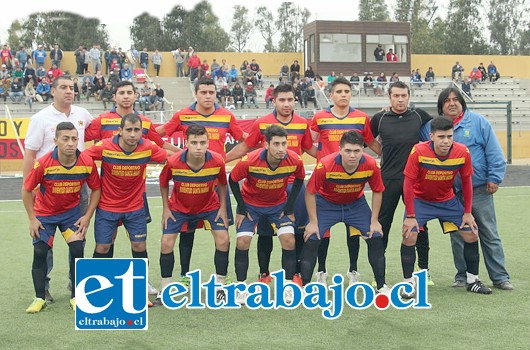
(340, 48)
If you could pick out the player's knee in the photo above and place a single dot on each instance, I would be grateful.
(102, 248)
(243, 242)
(468, 236)
(222, 242)
(40, 252)
(167, 243)
(410, 241)
(76, 248)
(287, 240)
(138, 246)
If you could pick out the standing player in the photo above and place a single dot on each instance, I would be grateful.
(399, 130)
(298, 140)
(327, 128)
(60, 174)
(336, 187)
(41, 133)
(124, 159)
(194, 172)
(266, 172)
(428, 194)
(218, 121)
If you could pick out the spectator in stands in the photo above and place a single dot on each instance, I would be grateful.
(368, 83)
(106, 95)
(232, 74)
(309, 73)
(161, 95)
(219, 82)
(456, 71)
(310, 95)
(76, 89)
(156, 58)
(483, 72)
(41, 73)
(99, 85)
(18, 73)
(187, 56)
(493, 74)
(219, 73)
(15, 93)
(269, 96)
(466, 87)
(56, 55)
(251, 95)
(4, 88)
(108, 60)
(178, 55)
(95, 57)
(225, 96)
(475, 76)
(415, 79)
(215, 65)
(295, 70)
(55, 72)
(39, 56)
(135, 57)
(391, 56)
(153, 102)
(29, 93)
(205, 66)
(5, 74)
(379, 53)
(87, 59)
(259, 80)
(430, 76)
(114, 76)
(88, 89)
(144, 59)
(203, 74)
(30, 74)
(249, 77)
(243, 66)
(284, 72)
(22, 57)
(145, 93)
(193, 63)
(43, 91)
(254, 66)
(126, 73)
(6, 56)
(298, 95)
(394, 78)
(238, 95)
(79, 60)
(355, 81)
(381, 84)
(224, 66)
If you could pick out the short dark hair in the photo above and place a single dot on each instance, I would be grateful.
(196, 130)
(274, 130)
(351, 137)
(340, 80)
(125, 83)
(441, 123)
(282, 88)
(398, 85)
(444, 95)
(203, 81)
(64, 126)
(131, 117)
(62, 77)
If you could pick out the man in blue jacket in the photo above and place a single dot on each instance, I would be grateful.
(489, 168)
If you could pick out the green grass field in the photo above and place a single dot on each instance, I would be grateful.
(457, 320)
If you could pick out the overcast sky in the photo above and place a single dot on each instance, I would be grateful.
(118, 15)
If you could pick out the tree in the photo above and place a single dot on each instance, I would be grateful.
(202, 30)
(146, 31)
(241, 28)
(67, 29)
(14, 32)
(419, 13)
(506, 25)
(172, 28)
(265, 24)
(463, 29)
(373, 10)
(291, 21)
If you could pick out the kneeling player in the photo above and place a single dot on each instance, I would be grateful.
(263, 195)
(428, 194)
(60, 174)
(195, 172)
(336, 188)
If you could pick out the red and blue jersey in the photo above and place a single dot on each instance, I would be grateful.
(433, 175)
(123, 173)
(263, 185)
(193, 190)
(298, 138)
(59, 185)
(331, 128)
(107, 125)
(218, 124)
(332, 182)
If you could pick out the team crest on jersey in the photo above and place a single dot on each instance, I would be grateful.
(80, 122)
(467, 133)
(319, 165)
(36, 165)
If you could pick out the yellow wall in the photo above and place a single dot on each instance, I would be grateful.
(270, 63)
(508, 66)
